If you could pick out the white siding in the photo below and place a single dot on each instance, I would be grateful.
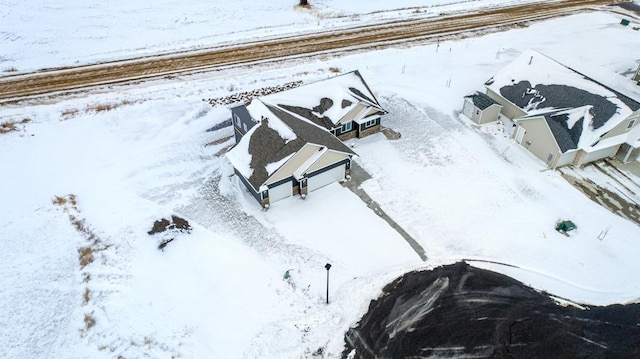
(468, 108)
(596, 155)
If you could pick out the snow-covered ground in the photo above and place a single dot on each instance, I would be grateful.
(218, 292)
(52, 34)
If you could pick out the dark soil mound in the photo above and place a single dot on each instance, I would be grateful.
(461, 311)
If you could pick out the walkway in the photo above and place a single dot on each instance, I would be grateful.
(358, 176)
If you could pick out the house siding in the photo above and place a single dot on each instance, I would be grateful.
(539, 140)
(596, 155)
(293, 163)
(621, 128)
(364, 132)
(253, 192)
(489, 114)
(242, 121)
(327, 168)
(508, 109)
(327, 159)
(565, 159)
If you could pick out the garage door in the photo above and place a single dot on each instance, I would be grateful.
(596, 155)
(326, 178)
(280, 192)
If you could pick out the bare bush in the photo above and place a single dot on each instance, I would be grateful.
(85, 256)
(60, 201)
(7, 126)
(334, 69)
(86, 295)
(89, 321)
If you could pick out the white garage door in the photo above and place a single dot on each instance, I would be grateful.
(596, 155)
(325, 178)
(280, 192)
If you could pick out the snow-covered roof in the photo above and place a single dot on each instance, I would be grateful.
(269, 145)
(579, 110)
(327, 102)
(481, 100)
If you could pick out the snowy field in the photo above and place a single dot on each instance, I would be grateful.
(54, 34)
(140, 153)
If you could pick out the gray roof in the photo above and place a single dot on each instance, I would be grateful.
(527, 97)
(481, 100)
(567, 138)
(266, 146)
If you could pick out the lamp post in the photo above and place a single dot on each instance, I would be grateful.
(327, 267)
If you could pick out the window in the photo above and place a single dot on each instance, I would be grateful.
(631, 123)
(237, 119)
(346, 127)
(369, 123)
(244, 126)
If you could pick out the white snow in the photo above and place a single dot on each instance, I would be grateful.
(460, 190)
(45, 34)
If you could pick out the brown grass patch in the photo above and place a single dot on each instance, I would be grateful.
(87, 295)
(10, 69)
(85, 256)
(95, 108)
(334, 69)
(8, 126)
(69, 113)
(59, 201)
(89, 321)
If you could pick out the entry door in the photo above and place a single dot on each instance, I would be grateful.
(520, 134)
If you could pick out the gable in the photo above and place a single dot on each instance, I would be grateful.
(269, 151)
(330, 102)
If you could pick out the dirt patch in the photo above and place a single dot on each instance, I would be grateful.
(11, 126)
(390, 134)
(458, 311)
(170, 229)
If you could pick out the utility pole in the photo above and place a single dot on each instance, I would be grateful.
(327, 267)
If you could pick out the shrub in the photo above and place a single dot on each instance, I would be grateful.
(89, 321)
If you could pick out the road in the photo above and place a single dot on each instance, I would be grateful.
(55, 80)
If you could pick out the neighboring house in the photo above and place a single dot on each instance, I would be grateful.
(282, 154)
(481, 108)
(636, 76)
(344, 105)
(289, 143)
(564, 117)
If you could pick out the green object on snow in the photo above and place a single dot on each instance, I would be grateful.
(565, 226)
(287, 275)
(625, 22)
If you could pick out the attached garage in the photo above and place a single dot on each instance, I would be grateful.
(280, 191)
(326, 176)
(596, 155)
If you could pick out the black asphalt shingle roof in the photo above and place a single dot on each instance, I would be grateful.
(567, 138)
(481, 100)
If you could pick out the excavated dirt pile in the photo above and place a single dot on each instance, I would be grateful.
(461, 311)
